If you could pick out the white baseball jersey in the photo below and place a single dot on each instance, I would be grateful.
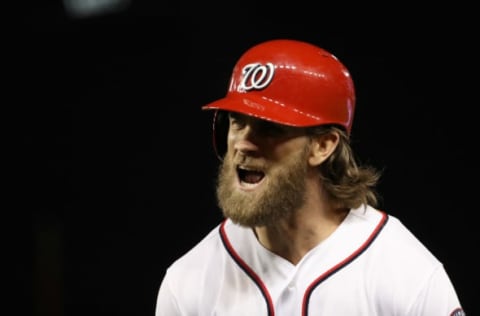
(372, 265)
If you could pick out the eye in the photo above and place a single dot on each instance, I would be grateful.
(260, 127)
(271, 129)
(237, 121)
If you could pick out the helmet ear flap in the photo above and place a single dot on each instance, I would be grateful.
(219, 131)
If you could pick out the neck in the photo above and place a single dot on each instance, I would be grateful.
(292, 238)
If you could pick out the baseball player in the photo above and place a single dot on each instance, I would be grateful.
(302, 233)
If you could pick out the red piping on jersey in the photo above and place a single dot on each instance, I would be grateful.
(341, 264)
(458, 312)
(263, 289)
(243, 265)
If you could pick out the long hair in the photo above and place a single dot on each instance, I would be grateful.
(348, 183)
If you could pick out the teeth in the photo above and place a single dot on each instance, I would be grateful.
(248, 169)
(249, 185)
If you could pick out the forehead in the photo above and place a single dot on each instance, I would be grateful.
(265, 125)
(251, 119)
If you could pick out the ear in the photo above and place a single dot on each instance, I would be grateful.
(322, 147)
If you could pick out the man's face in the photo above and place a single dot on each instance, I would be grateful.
(262, 177)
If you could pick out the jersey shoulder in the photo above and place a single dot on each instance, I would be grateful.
(398, 240)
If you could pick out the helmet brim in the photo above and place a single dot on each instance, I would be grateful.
(265, 109)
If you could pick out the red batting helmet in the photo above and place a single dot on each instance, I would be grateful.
(290, 82)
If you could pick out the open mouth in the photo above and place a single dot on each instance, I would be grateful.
(250, 176)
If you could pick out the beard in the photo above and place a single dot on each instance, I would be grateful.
(280, 196)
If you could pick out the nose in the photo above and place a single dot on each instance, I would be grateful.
(246, 140)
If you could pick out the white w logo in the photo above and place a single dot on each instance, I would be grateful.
(256, 76)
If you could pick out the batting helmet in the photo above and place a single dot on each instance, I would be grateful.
(290, 82)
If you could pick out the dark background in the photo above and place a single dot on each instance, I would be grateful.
(115, 168)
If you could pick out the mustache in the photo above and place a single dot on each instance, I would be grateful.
(249, 162)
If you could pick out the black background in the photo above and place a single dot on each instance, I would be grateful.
(115, 168)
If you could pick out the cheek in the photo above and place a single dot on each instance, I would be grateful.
(230, 136)
(290, 148)
(230, 140)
